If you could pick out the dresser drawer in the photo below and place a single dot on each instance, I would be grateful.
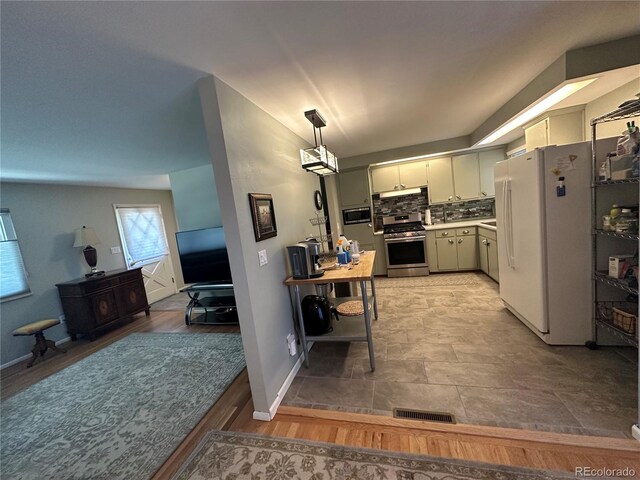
(131, 276)
(97, 285)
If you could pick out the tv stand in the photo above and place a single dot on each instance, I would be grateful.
(218, 304)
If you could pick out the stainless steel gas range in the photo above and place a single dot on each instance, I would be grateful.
(405, 245)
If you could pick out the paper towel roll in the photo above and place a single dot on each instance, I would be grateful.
(427, 216)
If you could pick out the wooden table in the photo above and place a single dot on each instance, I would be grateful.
(348, 329)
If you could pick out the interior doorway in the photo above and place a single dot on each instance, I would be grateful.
(144, 245)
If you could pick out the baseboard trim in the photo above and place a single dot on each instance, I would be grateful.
(28, 356)
(273, 409)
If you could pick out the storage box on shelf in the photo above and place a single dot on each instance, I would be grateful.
(611, 310)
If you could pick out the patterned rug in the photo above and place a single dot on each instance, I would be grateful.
(230, 455)
(434, 280)
(119, 413)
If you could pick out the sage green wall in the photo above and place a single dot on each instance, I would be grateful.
(195, 198)
(607, 103)
(253, 152)
(45, 218)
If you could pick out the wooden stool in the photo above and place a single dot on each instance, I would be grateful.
(42, 344)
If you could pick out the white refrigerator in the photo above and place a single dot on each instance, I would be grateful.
(544, 241)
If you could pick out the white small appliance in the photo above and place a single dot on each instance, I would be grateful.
(544, 241)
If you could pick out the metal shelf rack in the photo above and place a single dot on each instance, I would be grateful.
(627, 110)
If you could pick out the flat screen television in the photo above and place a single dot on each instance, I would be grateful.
(203, 256)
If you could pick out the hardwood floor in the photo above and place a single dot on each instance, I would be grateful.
(234, 412)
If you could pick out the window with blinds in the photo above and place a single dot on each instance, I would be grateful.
(13, 276)
(143, 232)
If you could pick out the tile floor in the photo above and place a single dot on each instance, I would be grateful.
(455, 348)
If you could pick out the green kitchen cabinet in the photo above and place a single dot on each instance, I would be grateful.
(466, 176)
(413, 174)
(487, 161)
(447, 254)
(354, 187)
(467, 247)
(385, 179)
(380, 263)
(492, 255)
(488, 252)
(432, 252)
(399, 176)
(441, 180)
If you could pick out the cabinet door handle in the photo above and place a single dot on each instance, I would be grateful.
(460, 240)
(484, 242)
(465, 231)
(458, 197)
(444, 234)
(450, 197)
(451, 241)
(395, 187)
(484, 194)
(488, 243)
(369, 225)
(403, 185)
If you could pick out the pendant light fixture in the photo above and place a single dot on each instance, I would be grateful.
(318, 159)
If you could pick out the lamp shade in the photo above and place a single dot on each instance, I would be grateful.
(86, 236)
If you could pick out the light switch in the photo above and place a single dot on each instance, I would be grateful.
(262, 256)
(115, 250)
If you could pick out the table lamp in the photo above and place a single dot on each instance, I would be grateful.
(84, 238)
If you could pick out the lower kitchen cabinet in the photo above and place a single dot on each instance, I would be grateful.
(447, 253)
(380, 263)
(467, 247)
(488, 251)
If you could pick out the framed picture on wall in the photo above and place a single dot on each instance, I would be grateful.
(263, 215)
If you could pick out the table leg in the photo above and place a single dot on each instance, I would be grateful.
(303, 337)
(367, 324)
(375, 298)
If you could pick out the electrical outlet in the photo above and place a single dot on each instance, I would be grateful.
(291, 344)
(115, 250)
(262, 257)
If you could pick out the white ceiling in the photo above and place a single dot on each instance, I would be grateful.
(104, 92)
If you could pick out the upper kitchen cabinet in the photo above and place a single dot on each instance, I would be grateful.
(441, 180)
(487, 161)
(354, 187)
(399, 176)
(413, 175)
(558, 127)
(466, 176)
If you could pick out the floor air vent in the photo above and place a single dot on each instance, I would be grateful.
(422, 415)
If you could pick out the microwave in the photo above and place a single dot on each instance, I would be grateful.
(351, 216)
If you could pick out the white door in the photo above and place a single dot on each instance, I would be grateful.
(144, 244)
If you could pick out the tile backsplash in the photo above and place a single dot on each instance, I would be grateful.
(416, 202)
(458, 211)
(441, 213)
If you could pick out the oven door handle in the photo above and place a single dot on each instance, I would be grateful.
(404, 239)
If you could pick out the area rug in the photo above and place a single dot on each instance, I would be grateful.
(177, 301)
(231, 455)
(435, 280)
(119, 413)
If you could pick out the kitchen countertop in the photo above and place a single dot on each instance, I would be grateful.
(465, 223)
